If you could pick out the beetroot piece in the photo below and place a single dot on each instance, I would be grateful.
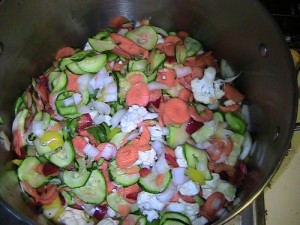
(193, 126)
(84, 121)
(100, 212)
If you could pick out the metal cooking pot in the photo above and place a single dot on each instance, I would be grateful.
(240, 31)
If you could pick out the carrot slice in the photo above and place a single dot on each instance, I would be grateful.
(126, 156)
(117, 22)
(186, 198)
(159, 179)
(145, 137)
(176, 110)
(214, 202)
(129, 46)
(64, 52)
(230, 108)
(124, 209)
(120, 52)
(136, 78)
(172, 39)
(138, 94)
(79, 143)
(182, 35)
(72, 82)
(154, 95)
(109, 185)
(166, 76)
(184, 94)
(232, 93)
(145, 147)
(169, 151)
(124, 191)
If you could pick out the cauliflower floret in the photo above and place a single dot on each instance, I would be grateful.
(110, 213)
(151, 215)
(157, 133)
(73, 217)
(180, 159)
(200, 221)
(189, 188)
(108, 221)
(148, 201)
(135, 115)
(206, 90)
(189, 209)
(146, 158)
(210, 186)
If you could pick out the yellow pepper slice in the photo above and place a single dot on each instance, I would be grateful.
(53, 139)
(195, 175)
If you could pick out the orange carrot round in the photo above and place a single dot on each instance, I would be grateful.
(210, 205)
(232, 93)
(166, 76)
(118, 21)
(154, 95)
(126, 156)
(138, 94)
(124, 209)
(159, 179)
(72, 82)
(176, 110)
(64, 52)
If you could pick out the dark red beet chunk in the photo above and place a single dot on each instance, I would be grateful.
(49, 169)
(100, 212)
(193, 126)
(84, 121)
(132, 196)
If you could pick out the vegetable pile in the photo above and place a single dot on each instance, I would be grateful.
(140, 127)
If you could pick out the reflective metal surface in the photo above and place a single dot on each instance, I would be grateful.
(32, 31)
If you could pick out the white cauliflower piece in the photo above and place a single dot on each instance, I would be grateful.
(110, 213)
(200, 221)
(210, 185)
(151, 215)
(73, 217)
(227, 189)
(206, 90)
(157, 132)
(108, 221)
(189, 209)
(180, 159)
(148, 201)
(135, 115)
(146, 158)
(189, 188)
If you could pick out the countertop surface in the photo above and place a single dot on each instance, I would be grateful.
(282, 200)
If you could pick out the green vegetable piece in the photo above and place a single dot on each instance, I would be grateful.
(181, 53)
(1, 120)
(192, 46)
(144, 36)
(236, 123)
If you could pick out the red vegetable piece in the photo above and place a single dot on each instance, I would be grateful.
(171, 160)
(100, 212)
(144, 172)
(156, 103)
(50, 169)
(132, 196)
(84, 121)
(193, 126)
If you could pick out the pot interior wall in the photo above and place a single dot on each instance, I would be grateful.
(32, 31)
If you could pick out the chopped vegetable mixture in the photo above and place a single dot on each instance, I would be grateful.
(142, 126)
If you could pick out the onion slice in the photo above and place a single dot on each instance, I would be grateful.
(157, 86)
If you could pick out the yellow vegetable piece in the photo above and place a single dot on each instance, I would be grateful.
(113, 132)
(53, 139)
(195, 175)
(296, 56)
(53, 210)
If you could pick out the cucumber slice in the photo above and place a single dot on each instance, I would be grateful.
(173, 222)
(177, 136)
(68, 197)
(60, 82)
(101, 45)
(181, 53)
(52, 76)
(175, 90)
(148, 183)
(40, 148)
(131, 74)
(139, 65)
(26, 172)
(114, 201)
(204, 133)
(192, 46)
(120, 177)
(144, 36)
(66, 111)
(82, 54)
(64, 156)
(63, 63)
(176, 216)
(73, 68)
(197, 159)
(218, 117)
(75, 179)
(94, 191)
(133, 219)
(92, 64)
(156, 60)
